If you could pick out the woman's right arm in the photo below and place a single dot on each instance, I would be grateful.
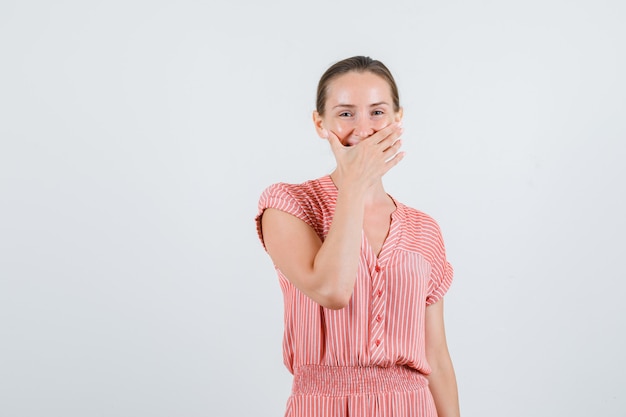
(326, 271)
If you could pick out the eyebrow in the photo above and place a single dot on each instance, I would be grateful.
(351, 106)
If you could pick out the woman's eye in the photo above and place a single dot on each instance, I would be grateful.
(377, 113)
(345, 114)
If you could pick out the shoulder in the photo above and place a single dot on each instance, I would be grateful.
(422, 231)
(309, 201)
(421, 220)
(301, 194)
(299, 200)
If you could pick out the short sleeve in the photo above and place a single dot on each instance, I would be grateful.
(283, 197)
(441, 270)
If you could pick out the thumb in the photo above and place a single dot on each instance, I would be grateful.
(334, 141)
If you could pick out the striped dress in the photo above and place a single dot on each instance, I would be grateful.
(367, 359)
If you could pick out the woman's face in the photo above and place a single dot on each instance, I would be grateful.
(358, 105)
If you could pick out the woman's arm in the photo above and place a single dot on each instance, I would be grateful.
(442, 380)
(326, 272)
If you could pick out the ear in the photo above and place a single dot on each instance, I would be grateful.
(399, 114)
(318, 122)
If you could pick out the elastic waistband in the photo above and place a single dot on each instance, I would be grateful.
(350, 380)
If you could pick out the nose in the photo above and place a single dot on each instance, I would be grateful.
(363, 128)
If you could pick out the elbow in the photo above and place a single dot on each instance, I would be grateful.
(330, 291)
(336, 304)
(335, 300)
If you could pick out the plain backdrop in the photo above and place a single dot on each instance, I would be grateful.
(137, 136)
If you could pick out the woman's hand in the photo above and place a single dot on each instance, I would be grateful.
(366, 162)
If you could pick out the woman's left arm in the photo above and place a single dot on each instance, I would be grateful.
(442, 380)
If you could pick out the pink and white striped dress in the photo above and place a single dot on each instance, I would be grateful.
(367, 359)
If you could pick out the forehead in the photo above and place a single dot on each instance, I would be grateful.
(358, 88)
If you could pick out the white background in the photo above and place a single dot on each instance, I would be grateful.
(136, 138)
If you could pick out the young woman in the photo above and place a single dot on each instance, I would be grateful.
(363, 276)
